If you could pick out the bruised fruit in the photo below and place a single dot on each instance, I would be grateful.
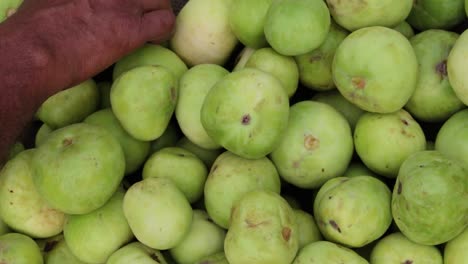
(327, 252)
(136, 253)
(19, 249)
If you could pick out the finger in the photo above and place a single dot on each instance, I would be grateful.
(151, 5)
(157, 26)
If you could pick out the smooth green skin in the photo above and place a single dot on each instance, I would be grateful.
(194, 85)
(8, 8)
(104, 92)
(353, 211)
(334, 98)
(384, 141)
(214, 41)
(169, 138)
(136, 253)
(19, 249)
(433, 99)
(55, 251)
(17, 148)
(150, 54)
(315, 67)
(185, 169)
(42, 133)
(317, 145)
(252, 95)
(455, 64)
(282, 67)
(242, 58)
(158, 212)
(247, 20)
(135, 151)
(208, 156)
(436, 14)
(405, 29)
(455, 250)
(263, 230)
(327, 252)
(308, 230)
(78, 168)
(93, 237)
(452, 137)
(429, 198)
(190, 250)
(356, 14)
(143, 99)
(217, 258)
(70, 106)
(356, 168)
(21, 207)
(230, 178)
(396, 248)
(289, 23)
(384, 77)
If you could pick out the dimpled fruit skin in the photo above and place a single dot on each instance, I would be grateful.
(263, 230)
(376, 69)
(429, 198)
(321, 252)
(456, 67)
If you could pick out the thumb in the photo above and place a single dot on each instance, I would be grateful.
(158, 25)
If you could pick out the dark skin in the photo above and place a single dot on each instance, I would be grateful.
(50, 45)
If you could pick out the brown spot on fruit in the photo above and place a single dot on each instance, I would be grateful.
(173, 94)
(311, 142)
(245, 119)
(358, 82)
(405, 122)
(441, 69)
(286, 233)
(67, 142)
(407, 262)
(335, 225)
(11, 191)
(400, 188)
(315, 57)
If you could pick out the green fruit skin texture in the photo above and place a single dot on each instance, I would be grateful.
(56, 251)
(456, 62)
(308, 230)
(194, 85)
(455, 250)
(378, 77)
(246, 112)
(158, 212)
(353, 211)
(405, 29)
(429, 198)
(289, 23)
(70, 106)
(384, 141)
(434, 14)
(317, 145)
(433, 99)
(230, 178)
(263, 230)
(21, 207)
(327, 252)
(93, 237)
(315, 67)
(136, 253)
(135, 151)
(451, 139)
(396, 248)
(19, 249)
(78, 168)
(356, 14)
(143, 99)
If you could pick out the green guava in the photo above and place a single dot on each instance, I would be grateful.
(429, 198)
(208, 156)
(135, 151)
(8, 8)
(452, 137)
(217, 258)
(308, 230)
(15, 149)
(78, 168)
(41, 134)
(455, 250)
(315, 67)
(357, 168)
(143, 100)
(405, 29)
(246, 112)
(150, 54)
(231, 177)
(376, 69)
(190, 250)
(242, 58)
(321, 252)
(282, 67)
(194, 85)
(433, 99)
(214, 40)
(384, 141)
(436, 14)
(357, 14)
(21, 207)
(18, 248)
(456, 65)
(136, 253)
(247, 20)
(263, 230)
(93, 237)
(353, 211)
(55, 251)
(104, 93)
(169, 138)
(317, 145)
(185, 169)
(289, 24)
(158, 212)
(70, 106)
(396, 248)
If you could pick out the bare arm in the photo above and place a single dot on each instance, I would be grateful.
(49, 45)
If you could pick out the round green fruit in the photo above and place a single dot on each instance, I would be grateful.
(308, 230)
(208, 156)
(136, 253)
(321, 252)
(452, 138)
(435, 14)
(405, 29)
(455, 250)
(18, 248)
(455, 67)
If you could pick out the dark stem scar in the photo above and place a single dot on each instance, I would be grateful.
(245, 119)
(286, 233)
(441, 69)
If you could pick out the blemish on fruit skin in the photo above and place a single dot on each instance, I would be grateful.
(400, 188)
(358, 82)
(173, 94)
(311, 142)
(407, 262)
(405, 122)
(335, 225)
(251, 224)
(441, 69)
(67, 142)
(315, 57)
(245, 119)
(286, 233)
